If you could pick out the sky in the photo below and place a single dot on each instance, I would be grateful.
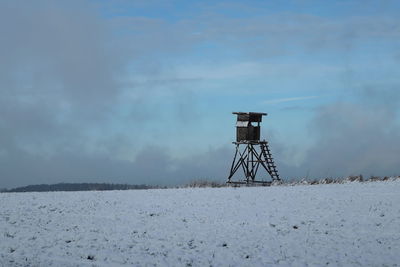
(142, 92)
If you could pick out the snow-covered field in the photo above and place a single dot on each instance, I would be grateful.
(336, 224)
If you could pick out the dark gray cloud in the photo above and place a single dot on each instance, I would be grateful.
(58, 79)
(63, 80)
(152, 165)
(58, 69)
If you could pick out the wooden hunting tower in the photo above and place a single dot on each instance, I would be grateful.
(251, 153)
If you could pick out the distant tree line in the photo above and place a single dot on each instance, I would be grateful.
(77, 187)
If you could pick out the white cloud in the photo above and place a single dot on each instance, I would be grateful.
(290, 99)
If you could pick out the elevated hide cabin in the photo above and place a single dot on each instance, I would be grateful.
(248, 126)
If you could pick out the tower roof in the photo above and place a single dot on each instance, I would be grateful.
(249, 116)
(250, 113)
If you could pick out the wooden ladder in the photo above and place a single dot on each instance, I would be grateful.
(270, 161)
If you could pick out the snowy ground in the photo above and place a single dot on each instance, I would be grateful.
(335, 224)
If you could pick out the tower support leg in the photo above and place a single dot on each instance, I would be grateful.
(250, 156)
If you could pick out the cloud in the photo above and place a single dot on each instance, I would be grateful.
(68, 108)
(262, 36)
(58, 68)
(153, 165)
(289, 99)
(288, 33)
(58, 83)
(352, 138)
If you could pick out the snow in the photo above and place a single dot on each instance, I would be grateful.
(335, 224)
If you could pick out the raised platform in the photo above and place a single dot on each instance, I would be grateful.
(251, 142)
